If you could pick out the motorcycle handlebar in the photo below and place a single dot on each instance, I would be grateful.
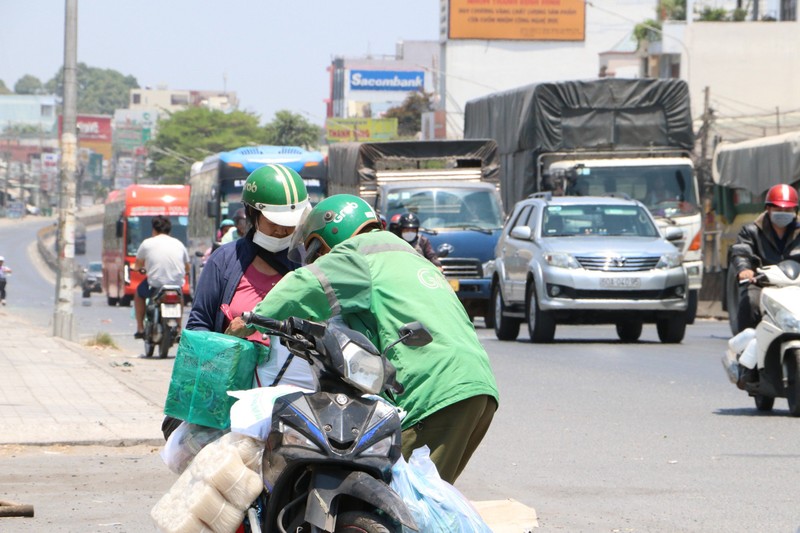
(251, 318)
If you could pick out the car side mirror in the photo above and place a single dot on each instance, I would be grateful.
(120, 224)
(671, 233)
(521, 232)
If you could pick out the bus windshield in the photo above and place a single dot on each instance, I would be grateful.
(666, 190)
(454, 208)
(140, 228)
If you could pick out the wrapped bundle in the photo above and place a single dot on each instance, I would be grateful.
(171, 514)
(208, 505)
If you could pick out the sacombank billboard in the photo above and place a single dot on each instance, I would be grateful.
(387, 80)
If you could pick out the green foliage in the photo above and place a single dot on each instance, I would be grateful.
(672, 9)
(194, 133)
(409, 113)
(291, 129)
(739, 14)
(4, 89)
(100, 91)
(709, 14)
(649, 31)
(102, 340)
(28, 84)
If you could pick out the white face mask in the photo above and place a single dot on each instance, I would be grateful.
(271, 244)
(409, 236)
(781, 219)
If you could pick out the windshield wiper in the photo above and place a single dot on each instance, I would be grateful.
(474, 228)
(429, 231)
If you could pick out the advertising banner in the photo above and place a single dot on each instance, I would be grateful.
(387, 80)
(360, 129)
(525, 20)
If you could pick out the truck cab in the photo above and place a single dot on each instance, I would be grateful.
(463, 222)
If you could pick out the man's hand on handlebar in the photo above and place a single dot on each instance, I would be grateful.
(746, 276)
(238, 328)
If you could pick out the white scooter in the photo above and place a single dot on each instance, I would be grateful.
(773, 347)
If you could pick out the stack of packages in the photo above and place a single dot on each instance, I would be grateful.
(214, 493)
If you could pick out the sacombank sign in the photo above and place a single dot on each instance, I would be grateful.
(386, 80)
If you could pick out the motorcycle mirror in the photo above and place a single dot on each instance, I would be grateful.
(790, 268)
(414, 334)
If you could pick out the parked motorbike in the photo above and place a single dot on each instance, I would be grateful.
(328, 458)
(163, 319)
(773, 347)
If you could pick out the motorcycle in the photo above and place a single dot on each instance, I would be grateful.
(163, 318)
(772, 349)
(328, 459)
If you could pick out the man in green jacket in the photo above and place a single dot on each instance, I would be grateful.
(377, 282)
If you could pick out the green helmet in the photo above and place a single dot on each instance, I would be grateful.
(335, 219)
(278, 192)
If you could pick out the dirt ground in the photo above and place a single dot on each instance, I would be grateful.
(82, 488)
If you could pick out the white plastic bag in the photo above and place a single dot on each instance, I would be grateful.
(185, 442)
(251, 415)
(435, 504)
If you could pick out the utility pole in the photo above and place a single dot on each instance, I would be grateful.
(704, 139)
(63, 324)
(778, 119)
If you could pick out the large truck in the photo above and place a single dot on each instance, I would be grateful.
(630, 137)
(743, 172)
(127, 221)
(450, 185)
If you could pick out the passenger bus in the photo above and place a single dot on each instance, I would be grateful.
(127, 222)
(217, 183)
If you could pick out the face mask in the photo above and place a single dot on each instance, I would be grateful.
(409, 236)
(271, 244)
(781, 219)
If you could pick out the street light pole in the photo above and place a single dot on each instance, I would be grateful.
(63, 325)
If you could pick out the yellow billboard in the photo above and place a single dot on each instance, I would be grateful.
(520, 20)
(360, 129)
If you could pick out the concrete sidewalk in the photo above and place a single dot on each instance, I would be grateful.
(54, 391)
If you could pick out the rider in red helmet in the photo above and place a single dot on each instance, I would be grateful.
(771, 238)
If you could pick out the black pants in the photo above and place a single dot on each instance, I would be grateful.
(749, 313)
(2, 289)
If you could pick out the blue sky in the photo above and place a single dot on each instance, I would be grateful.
(273, 54)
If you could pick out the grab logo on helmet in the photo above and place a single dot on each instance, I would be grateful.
(348, 208)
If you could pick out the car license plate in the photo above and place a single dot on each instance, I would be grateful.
(454, 283)
(170, 310)
(620, 283)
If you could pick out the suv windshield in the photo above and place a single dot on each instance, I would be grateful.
(451, 208)
(597, 220)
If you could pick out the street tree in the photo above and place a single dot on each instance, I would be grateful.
(28, 84)
(194, 133)
(4, 89)
(291, 129)
(100, 91)
(409, 113)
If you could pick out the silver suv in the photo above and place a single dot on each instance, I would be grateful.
(587, 260)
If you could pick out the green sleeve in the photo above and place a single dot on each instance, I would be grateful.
(298, 294)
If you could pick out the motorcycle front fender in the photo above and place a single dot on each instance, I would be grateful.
(328, 485)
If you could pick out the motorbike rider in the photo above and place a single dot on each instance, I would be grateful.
(166, 261)
(376, 283)
(240, 227)
(407, 228)
(4, 272)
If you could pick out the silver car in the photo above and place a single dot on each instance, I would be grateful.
(587, 260)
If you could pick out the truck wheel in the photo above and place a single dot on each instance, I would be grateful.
(629, 330)
(505, 328)
(764, 403)
(541, 324)
(732, 299)
(792, 365)
(671, 330)
(691, 309)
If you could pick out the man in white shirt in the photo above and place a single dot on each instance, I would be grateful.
(166, 261)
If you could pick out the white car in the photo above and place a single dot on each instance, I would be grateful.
(587, 260)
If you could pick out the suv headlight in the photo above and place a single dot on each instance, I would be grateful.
(561, 259)
(362, 368)
(784, 319)
(670, 261)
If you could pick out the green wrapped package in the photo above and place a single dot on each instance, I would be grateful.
(206, 367)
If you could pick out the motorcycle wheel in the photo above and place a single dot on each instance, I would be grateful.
(364, 522)
(505, 328)
(764, 403)
(149, 347)
(792, 363)
(166, 341)
(629, 330)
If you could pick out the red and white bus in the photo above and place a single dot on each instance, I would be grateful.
(127, 222)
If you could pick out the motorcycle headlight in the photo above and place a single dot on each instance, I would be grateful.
(671, 260)
(561, 260)
(379, 449)
(784, 319)
(362, 368)
(292, 437)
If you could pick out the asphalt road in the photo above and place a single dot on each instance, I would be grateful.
(596, 435)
